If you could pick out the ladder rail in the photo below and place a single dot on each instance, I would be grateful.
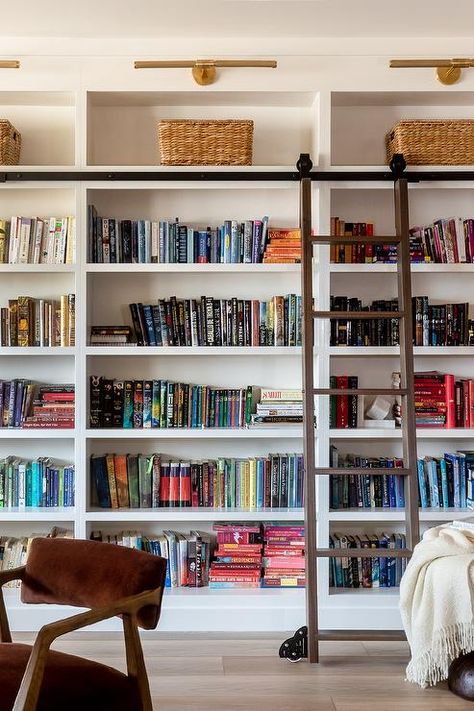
(311, 590)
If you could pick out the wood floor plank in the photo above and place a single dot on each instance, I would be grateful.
(244, 703)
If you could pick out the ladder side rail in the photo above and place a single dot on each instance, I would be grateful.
(406, 360)
(308, 420)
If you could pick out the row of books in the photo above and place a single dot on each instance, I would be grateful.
(433, 324)
(152, 481)
(37, 240)
(343, 409)
(14, 551)
(38, 322)
(188, 555)
(443, 400)
(445, 241)
(38, 482)
(442, 481)
(162, 403)
(161, 241)
(448, 240)
(218, 322)
(238, 557)
(378, 572)
(26, 404)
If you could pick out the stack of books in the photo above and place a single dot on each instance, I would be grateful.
(435, 399)
(53, 407)
(366, 572)
(153, 481)
(218, 322)
(283, 246)
(38, 322)
(238, 561)
(283, 556)
(40, 482)
(161, 403)
(36, 240)
(277, 407)
(111, 336)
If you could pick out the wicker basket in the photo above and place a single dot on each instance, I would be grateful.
(189, 142)
(10, 143)
(427, 142)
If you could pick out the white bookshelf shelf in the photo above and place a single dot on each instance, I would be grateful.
(38, 268)
(18, 433)
(194, 514)
(207, 433)
(356, 351)
(395, 433)
(386, 514)
(195, 268)
(28, 514)
(207, 351)
(392, 268)
(38, 351)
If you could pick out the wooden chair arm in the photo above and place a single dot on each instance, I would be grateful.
(6, 576)
(28, 693)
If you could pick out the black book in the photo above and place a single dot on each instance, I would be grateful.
(117, 412)
(96, 408)
(217, 322)
(126, 240)
(107, 402)
(136, 324)
(353, 401)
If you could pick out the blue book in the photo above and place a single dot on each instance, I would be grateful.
(227, 242)
(462, 479)
(260, 482)
(141, 242)
(421, 483)
(454, 460)
(433, 481)
(35, 483)
(150, 327)
(147, 403)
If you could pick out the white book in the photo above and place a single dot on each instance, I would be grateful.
(155, 242)
(60, 255)
(24, 240)
(48, 254)
(148, 252)
(460, 238)
(37, 241)
(14, 240)
(21, 485)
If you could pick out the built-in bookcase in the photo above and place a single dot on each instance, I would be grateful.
(101, 128)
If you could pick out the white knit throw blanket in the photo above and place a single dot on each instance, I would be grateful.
(436, 603)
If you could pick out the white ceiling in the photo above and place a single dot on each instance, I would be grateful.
(231, 18)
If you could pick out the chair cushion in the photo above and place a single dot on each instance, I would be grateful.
(69, 682)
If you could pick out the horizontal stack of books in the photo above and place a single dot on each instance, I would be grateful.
(53, 407)
(366, 572)
(283, 556)
(435, 404)
(238, 561)
(37, 240)
(38, 322)
(39, 482)
(283, 246)
(445, 241)
(218, 322)
(343, 409)
(277, 407)
(159, 241)
(24, 403)
(161, 403)
(188, 555)
(152, 481)
(111, 336)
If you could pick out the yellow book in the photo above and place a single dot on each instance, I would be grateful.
(64, 321)
(252, 483)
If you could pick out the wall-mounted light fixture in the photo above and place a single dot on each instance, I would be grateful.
(9, 64)
(448, 71)
(204, 70)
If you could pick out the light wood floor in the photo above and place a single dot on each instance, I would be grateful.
(210, 673)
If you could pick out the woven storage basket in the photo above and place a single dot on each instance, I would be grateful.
(10, 143)
(427, 142)
(188, 142)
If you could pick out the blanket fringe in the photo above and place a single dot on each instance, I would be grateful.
(448, 644)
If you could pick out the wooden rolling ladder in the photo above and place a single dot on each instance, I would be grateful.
(305, 643)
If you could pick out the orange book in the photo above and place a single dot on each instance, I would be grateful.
(121, 479)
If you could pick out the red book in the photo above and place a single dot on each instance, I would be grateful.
(471, 404)
(342, 403)
(450, 404)
(57, 397)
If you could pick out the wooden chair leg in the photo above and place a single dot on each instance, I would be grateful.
(135, 660)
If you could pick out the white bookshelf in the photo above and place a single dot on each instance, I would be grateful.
(105, 121)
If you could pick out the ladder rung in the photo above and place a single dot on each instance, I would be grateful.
(354, 471)
(363, 552)
(362, 635)
(359, 239)
(360, 391)
(358, 315)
